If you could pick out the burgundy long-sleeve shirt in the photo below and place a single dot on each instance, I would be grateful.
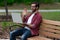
(36, 21)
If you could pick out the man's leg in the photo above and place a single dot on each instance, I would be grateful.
(26, 34)
(15, 33)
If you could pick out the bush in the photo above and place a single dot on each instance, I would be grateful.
(1, 3)
(27, 2)
(47, 1)
(10, 2)
(18, 1)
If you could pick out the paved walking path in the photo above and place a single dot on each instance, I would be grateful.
(2, 10)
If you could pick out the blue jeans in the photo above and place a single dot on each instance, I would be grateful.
(24, 33)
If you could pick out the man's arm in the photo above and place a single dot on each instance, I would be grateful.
(29, 25)
(24, 13)
(35, 23)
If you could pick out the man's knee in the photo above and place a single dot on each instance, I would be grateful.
(23, 37)
(11, 34)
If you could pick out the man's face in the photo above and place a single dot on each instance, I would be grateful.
(33, 7)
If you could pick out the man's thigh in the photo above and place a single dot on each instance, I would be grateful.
(18, 32)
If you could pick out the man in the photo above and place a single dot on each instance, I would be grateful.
(31, 24)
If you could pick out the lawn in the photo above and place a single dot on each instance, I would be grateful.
(51, 15)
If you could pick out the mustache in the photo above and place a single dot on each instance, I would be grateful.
(33, 11)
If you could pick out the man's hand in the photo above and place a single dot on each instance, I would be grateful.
(28, 25)
(24, 13)
(24, 24)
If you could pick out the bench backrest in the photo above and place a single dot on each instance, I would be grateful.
(50, 29)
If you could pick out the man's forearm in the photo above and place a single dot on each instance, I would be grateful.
(28, 25)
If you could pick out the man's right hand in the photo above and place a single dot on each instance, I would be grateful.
(24, 13)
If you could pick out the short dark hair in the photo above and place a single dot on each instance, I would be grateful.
(37, 4)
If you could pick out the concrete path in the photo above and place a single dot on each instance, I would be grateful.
(2, 10)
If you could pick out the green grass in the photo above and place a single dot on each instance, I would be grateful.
(6, 25)
(51, 15)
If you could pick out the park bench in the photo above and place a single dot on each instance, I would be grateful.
(49, 30)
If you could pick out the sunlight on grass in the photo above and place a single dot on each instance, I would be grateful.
(51, 15)
(9, 24)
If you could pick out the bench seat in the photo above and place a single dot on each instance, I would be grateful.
(38, 38)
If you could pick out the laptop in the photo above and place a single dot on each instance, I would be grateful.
(16, 17)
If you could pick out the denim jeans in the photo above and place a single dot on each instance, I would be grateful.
(24, 33)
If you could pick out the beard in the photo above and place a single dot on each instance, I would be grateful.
(33, 11)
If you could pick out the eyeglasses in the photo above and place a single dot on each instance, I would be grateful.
(33, 6)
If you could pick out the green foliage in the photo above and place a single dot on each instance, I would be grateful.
(27, 1)
(18, 1)
(47, 1)
(4, 24)
(11, 2)
(1, 3)
(59, 0)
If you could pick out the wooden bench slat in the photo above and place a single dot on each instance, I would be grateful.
(51, 26)
(50, 30)
(51, 22)
(51, 35)
(38, 38)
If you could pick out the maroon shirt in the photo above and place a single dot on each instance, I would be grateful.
(36, 20)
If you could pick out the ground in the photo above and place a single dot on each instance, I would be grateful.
(3, 34)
